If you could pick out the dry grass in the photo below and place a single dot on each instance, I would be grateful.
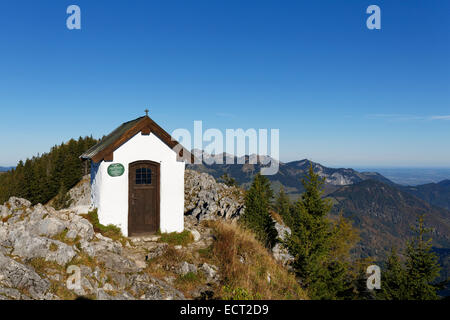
(53, 247)
(167, 264)
(83, 258)
(40, 265)
(249, 278)
(58, 288)
(276, 216)
(5, 219)
(62, 238)
(188, 282)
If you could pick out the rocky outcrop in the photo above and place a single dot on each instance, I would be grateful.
(80, 195)
(279, 252)
(206, 199)
(39, 245)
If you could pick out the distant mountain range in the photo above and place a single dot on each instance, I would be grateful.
(412, 176)
(4, 169)
(384, 213)
(437, 194)
(381, 209)
(289, 174)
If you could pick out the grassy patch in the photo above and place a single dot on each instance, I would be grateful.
(206, 253)
(110, 231)
(166, 266)
(190, 277)
(238, 293)
(62, 238)
(84, 259)
(40, 265)
(188, 282)
(53, 247)
(58, 288)
(177, 238)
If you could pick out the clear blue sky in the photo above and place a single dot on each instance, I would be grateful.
(340, 94)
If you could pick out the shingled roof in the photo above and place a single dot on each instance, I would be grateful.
(105, 148)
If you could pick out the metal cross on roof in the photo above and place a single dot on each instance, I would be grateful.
(146, 112)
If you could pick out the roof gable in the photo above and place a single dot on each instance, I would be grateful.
(104, 150)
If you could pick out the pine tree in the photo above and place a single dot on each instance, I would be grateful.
(256, 216)
(393, 279)
(310, 239)
(39, 179)
(415, 278)
(422, 266)
(63, 199)
(320, 248)
(282, 204)
(228, 180)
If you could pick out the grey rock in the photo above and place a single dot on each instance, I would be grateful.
(186, 268)
(205, 199)
(30, 247)
(10, 293)
(155, 249)
(102, 295)
(281, 254)
(108, 287)
(117, 263)
(16, 275)
(4, 212)
(119, 279)
(50, 227)
(283, 231)
(94, 247)
(97, 274)
(149, 288)
(196, 235)
(210, 271)
(278, 251)
(81, 227)
(15, 203)
(38, 213)
(71, 234)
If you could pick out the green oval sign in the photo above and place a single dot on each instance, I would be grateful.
(116, 170)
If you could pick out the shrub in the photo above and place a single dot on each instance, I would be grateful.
(256, 216)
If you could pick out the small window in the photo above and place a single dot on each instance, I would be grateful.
(143, 176)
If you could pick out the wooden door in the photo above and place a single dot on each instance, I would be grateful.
(143, 201)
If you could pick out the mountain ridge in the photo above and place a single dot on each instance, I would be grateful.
(384, 214)
(289, 174)
(437, 194)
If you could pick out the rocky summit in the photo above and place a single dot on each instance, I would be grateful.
(43, 250)
(206, 199)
